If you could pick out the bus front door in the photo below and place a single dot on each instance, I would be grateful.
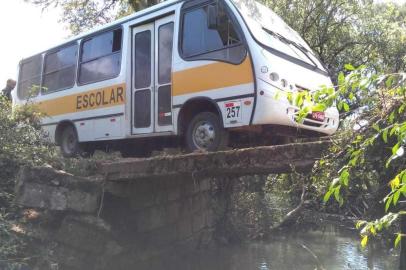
(151, 94)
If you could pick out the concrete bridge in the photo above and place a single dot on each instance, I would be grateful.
(240, 162)
(142, 213)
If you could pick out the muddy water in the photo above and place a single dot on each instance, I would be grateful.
(330, 250)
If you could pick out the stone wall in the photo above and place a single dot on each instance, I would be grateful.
(160, 219)
(96, 224)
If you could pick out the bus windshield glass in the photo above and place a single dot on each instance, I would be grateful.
(270, 30)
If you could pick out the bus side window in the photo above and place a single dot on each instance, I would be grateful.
(100, 57)
(30, 77)
(165, 43)
(200, 42)
(60, 69)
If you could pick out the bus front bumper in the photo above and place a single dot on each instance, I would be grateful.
(273, 108)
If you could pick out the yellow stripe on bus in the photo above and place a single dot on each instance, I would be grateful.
(203, 78)
(95, 99)
(211, 77)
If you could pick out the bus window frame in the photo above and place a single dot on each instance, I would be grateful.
(280, 54)
(22, 62)
(91, 36)
(190, 6)
(55, 50)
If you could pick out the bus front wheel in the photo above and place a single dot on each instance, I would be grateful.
(205, 132)
(69, 142)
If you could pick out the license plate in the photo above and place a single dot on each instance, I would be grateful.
(319, 116)
(233, 111)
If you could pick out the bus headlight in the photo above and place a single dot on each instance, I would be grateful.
(274, 76)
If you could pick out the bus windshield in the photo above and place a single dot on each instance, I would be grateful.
(270, 30)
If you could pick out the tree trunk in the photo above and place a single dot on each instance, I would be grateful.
(293, 214)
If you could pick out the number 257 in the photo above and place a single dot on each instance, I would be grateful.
(233, 112)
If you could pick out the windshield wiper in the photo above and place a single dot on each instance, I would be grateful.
(290, 42)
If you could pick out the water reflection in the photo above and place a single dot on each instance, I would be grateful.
(324, 250)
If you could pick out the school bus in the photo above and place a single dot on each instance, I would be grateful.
(205, 71)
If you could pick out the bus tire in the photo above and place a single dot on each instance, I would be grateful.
(205, 132)
(69, 145)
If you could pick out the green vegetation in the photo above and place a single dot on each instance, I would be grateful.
(20, 145)
(23, 143)
(367, 161)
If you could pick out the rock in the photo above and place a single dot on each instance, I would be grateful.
(47, 188)
(88, 234)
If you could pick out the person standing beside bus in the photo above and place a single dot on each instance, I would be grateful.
(9, 87)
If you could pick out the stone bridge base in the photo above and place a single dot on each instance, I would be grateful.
(92, 224)
(143, 213)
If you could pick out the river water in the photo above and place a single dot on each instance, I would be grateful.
(329, 250)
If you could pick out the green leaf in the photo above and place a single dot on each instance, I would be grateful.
(402, 108)
(344, 177)
(389, 82)
(373, 230)
(395, 182)
(397, 240)
(364, 241)
(341, 78)
(327, 195)
(393, 130)
(359, 224)
(388, 202)
(353, 161)
(340, 105)
(395, 148)
(346, 107)
(319, 107)
(388, 162)
(402, 176)
(289, 97)
(376, 127)
(385, 135)
(396, 197)
(349, 67)
(392, 117)
(337, 193)
(298, 100)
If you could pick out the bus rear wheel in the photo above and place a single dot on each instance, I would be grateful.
(69, 142)
(205, 132)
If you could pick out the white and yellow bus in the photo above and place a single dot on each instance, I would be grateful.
(202, 70)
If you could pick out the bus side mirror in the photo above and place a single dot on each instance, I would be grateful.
(212, 17)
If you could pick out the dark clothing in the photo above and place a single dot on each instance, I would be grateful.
(7, 92)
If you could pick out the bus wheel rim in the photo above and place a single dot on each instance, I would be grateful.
(204, 134)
